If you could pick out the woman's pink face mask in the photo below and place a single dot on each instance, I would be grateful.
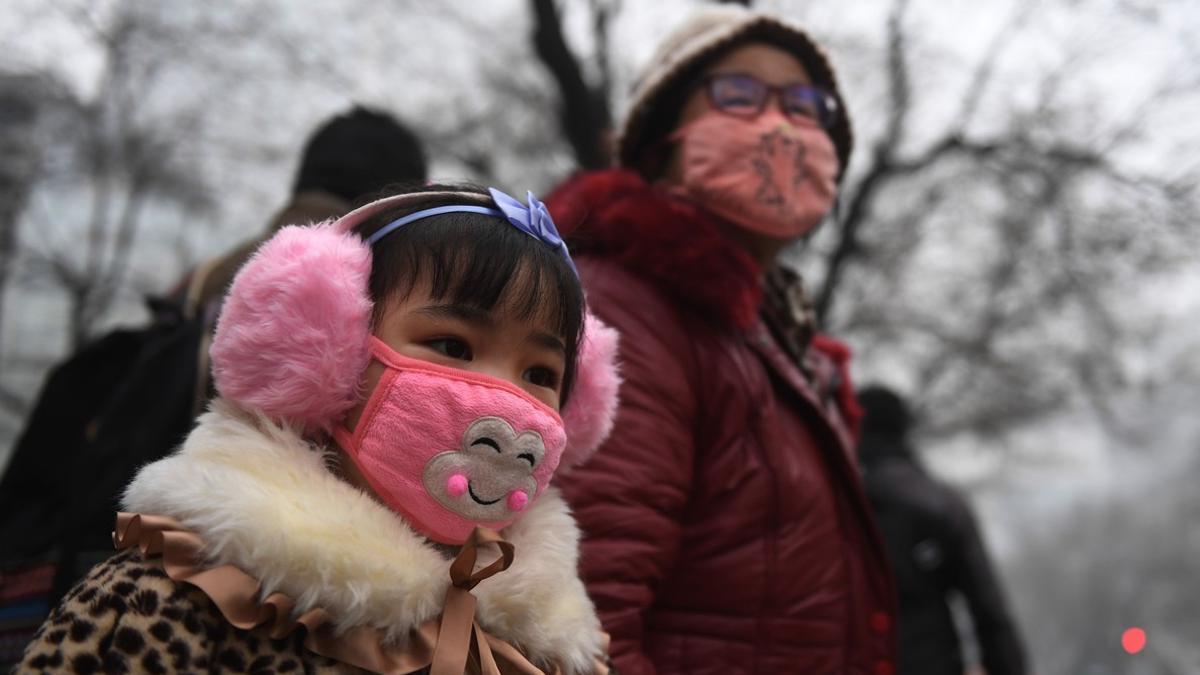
(450, 449)
(767, 174)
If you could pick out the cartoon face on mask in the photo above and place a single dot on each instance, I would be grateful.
(493, 469)
(450, 449)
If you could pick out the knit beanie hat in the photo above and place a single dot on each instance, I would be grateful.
(680, 59)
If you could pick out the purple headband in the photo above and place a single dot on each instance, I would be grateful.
(533, 220)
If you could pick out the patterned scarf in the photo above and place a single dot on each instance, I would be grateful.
(789, 314)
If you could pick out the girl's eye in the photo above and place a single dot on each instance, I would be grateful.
(452, 347)
(542, 377)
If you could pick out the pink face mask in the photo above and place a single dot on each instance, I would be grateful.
(450, 449)
(766, 174)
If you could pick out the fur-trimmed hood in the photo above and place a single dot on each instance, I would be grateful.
(264, 500)
(616, 213)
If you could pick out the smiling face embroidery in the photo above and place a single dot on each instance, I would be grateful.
(450, 449)
(491, 475)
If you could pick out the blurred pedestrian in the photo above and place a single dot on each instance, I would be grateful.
(351, 156)
(725, 527)
(348, 158)
(131, 396)
(936, 552)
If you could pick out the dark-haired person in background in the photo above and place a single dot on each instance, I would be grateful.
(129, 397)
(936, 551)
(351, 156)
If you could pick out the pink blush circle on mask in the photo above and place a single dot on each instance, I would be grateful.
(517, 500)
(456, 485)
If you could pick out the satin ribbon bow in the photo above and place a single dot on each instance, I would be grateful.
(460, 635)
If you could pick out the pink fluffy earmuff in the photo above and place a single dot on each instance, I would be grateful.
(292, 338)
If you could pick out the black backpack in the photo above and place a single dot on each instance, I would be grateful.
(122, 401)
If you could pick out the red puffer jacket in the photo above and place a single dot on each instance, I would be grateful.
(725, 526)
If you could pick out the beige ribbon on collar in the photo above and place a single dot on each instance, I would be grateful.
(460, 635)
(448, 644)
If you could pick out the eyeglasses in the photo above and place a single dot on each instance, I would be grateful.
(745, 96)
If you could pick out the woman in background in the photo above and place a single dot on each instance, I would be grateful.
(725, 528)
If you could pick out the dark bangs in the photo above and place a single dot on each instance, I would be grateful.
(480, 261)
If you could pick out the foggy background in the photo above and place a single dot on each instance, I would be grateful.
(1015, 245)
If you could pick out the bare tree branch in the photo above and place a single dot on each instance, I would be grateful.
(18, 114)
(982, 77)
(882, 157)
(899, 86)
(583, 113)
(602, 13)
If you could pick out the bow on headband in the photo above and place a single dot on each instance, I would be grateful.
(533, 220)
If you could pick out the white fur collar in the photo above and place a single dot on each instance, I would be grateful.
(263, 499)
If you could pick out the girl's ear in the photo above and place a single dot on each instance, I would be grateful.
(292, 338)
(592, 408)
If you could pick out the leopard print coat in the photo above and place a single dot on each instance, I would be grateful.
(128, 617)
(305, 535)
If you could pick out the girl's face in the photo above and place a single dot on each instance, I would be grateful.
(524, 351)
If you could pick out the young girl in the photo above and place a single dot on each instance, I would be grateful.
(389, 388)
